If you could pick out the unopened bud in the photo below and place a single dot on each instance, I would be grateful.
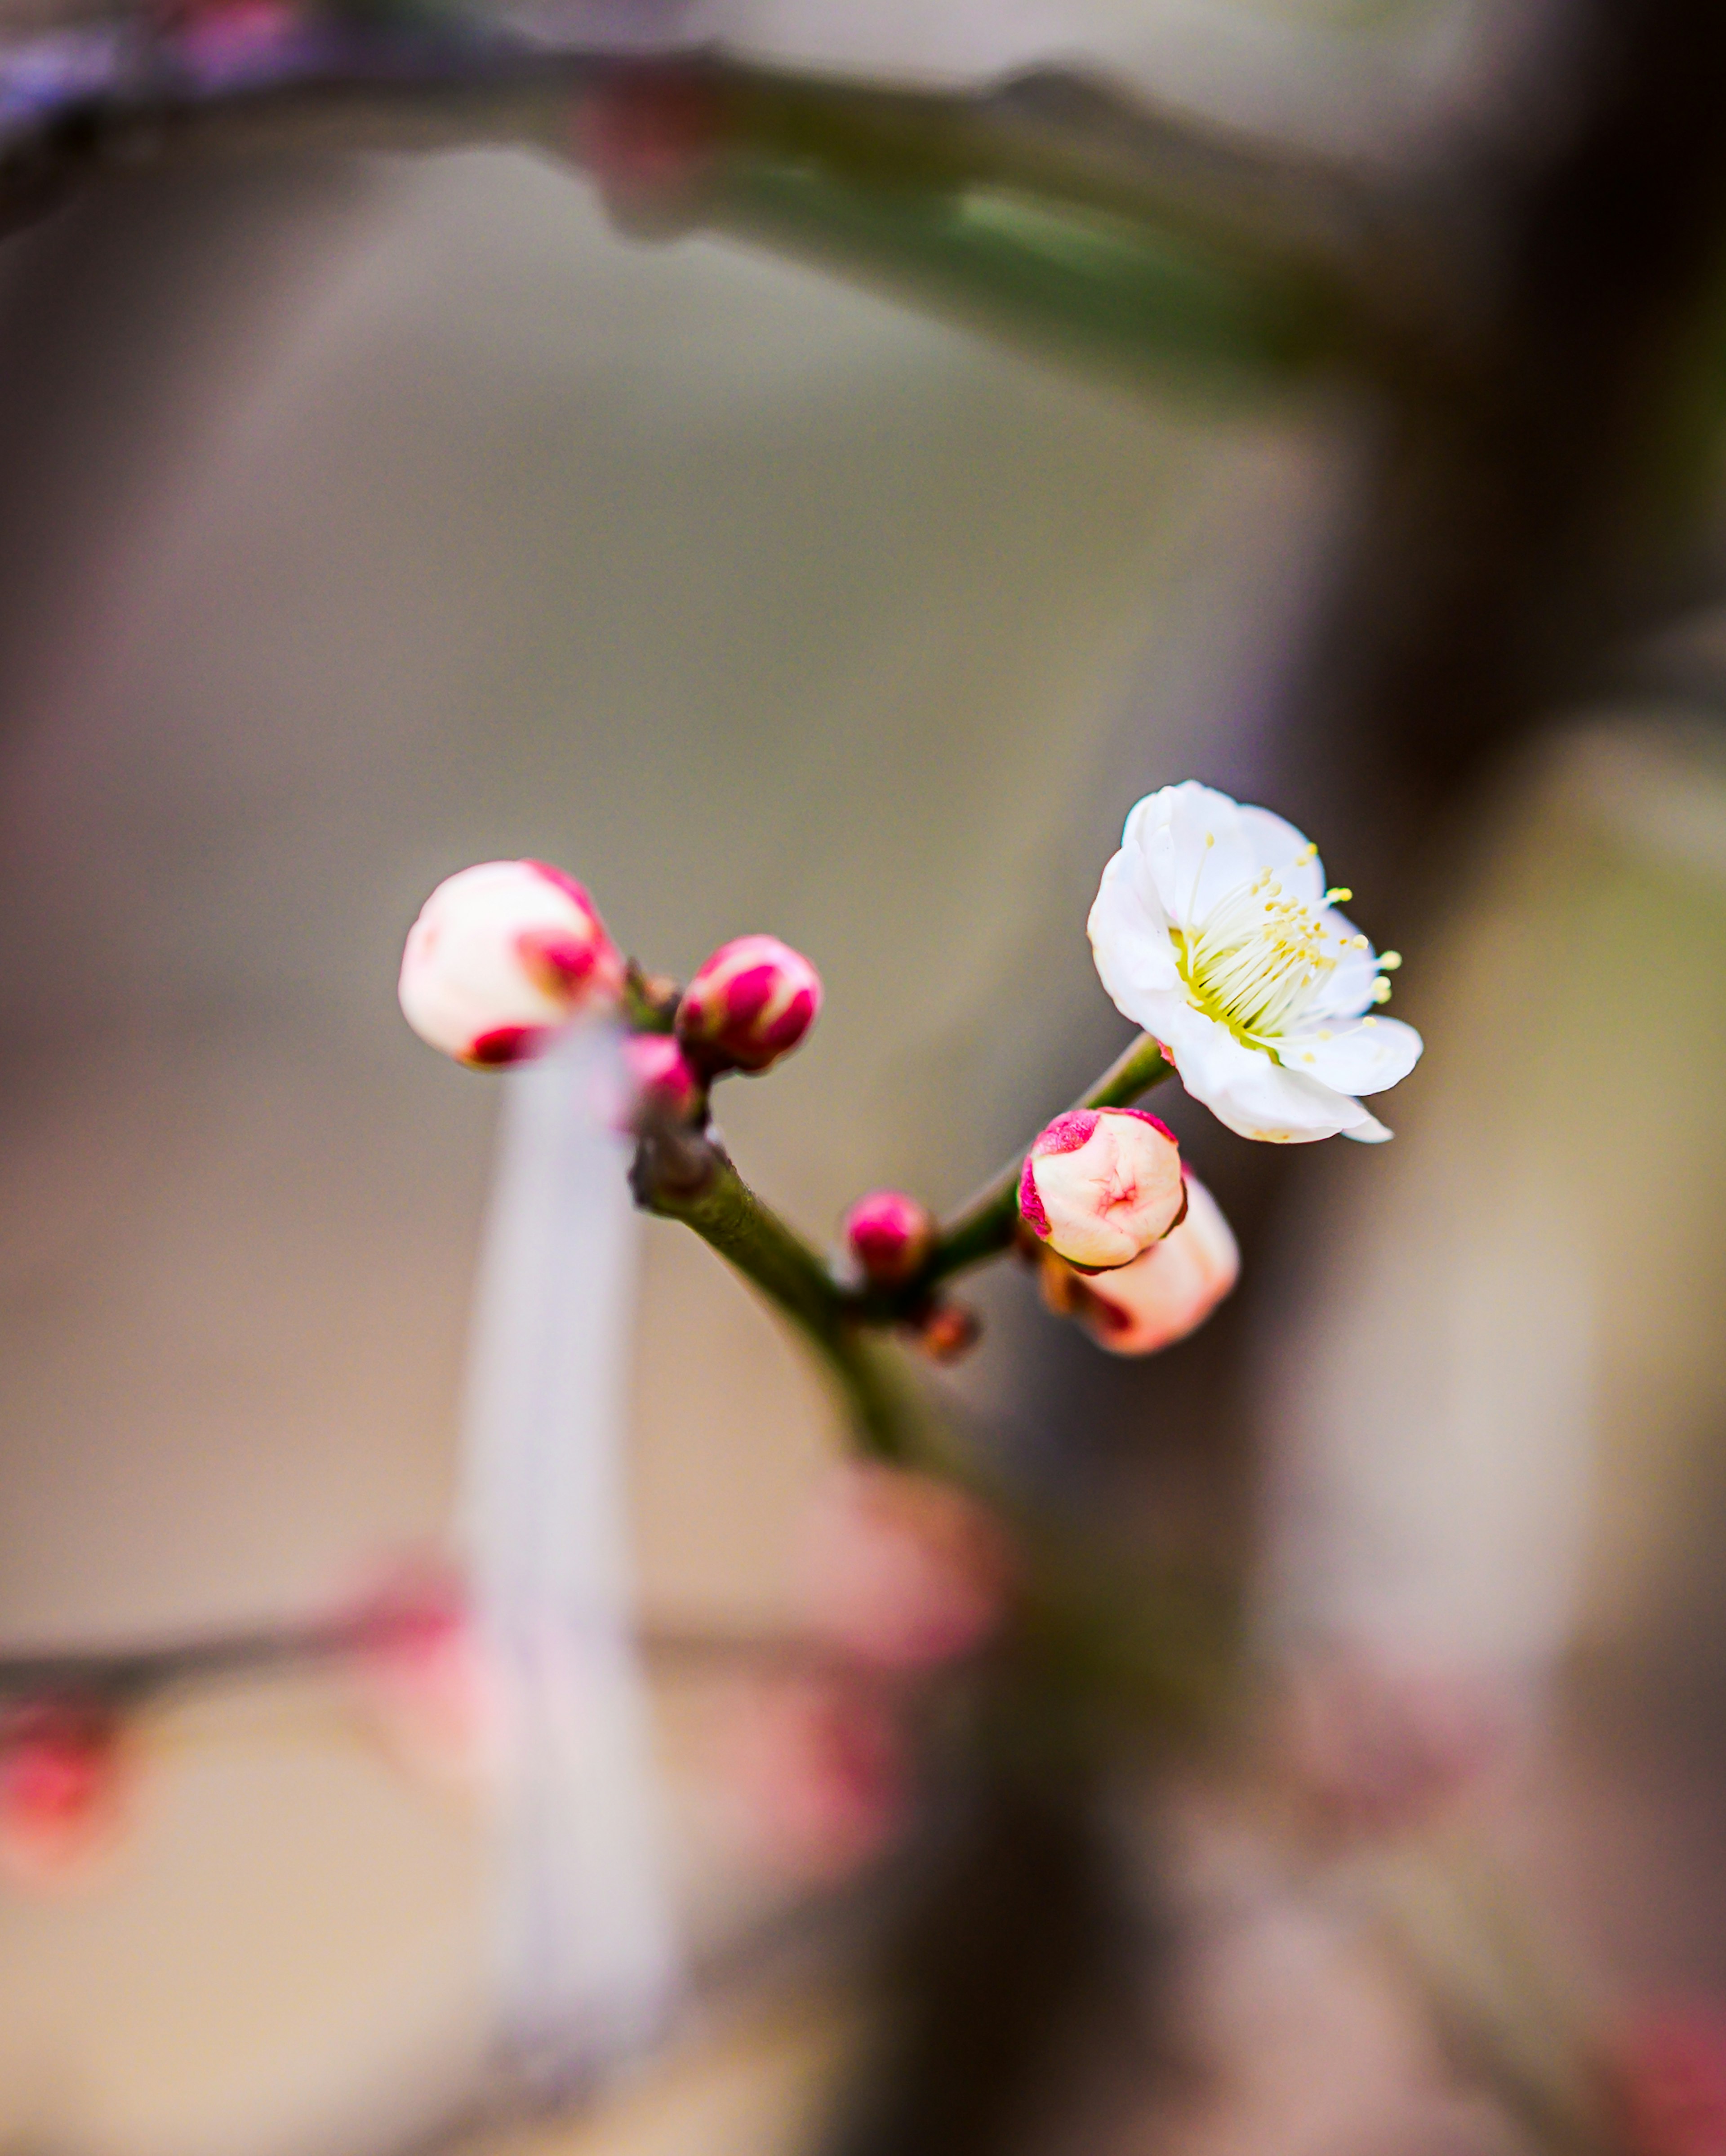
(1167, 1292)
(503, 955)
(666, 1090)
(890, 1235)
(62, 1782)
(1102, 1184)
(947, 1330)
(750, 1003)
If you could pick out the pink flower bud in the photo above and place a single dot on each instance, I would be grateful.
(501, 956)
(1102, 1184)
(750, 1003)
(816, 1765)
(665, 1088)
(1669, 2079)
(900, 1570)
(1168, 1290)
(64, 1780)
(890, 1235)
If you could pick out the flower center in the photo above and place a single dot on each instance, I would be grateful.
(1258, 961)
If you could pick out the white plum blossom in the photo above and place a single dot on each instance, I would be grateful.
(1213, 929)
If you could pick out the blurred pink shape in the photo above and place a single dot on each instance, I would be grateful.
(64, 1777)
(1378, 1748)
(817, 1765)
(900, 1570)
(421, 1674)
(1669, 2075)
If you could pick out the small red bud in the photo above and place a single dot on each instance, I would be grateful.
(750, 1003)
(890, 1235)
(665, 1088)
(949, 1332)
(63, 1782)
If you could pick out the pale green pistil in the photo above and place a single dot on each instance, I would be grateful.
(1258, 962)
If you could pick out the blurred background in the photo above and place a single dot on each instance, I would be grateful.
(365, 512)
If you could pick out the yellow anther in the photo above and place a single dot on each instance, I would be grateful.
(1381, 991)
(1390, 960)
(1338, 895)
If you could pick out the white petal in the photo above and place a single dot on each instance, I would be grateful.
(1245, 1090)
(1367, 1056)
(1129, 939)
(1368, 1131)
(1190, 836)
(1277, 844)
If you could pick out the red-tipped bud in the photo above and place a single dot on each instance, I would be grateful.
(1167, 1292)
(751, 1003)
(947, 1331)
(889, 1234)
(1102, 1184)
(900, 1570)
(503, 955)
(63, 1779)
(665, 1089)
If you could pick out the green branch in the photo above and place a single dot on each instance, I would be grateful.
(694, 1182)
(682, 1176)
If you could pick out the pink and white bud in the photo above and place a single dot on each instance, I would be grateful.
(1102, 1184)
(1168, 1290)
(750, 1003)
(65, 1776)
(890, 1235)
(665, 1088)
(900, 1570)
(502, 956)
(816, 1766)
